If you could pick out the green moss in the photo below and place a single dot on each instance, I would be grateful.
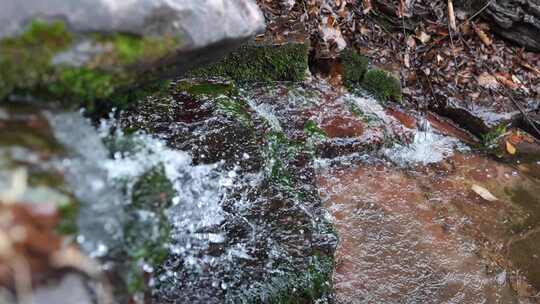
(146, 236)
(69, 214)
(153, 191)
(258, 63)
(355, 67)
(108, 79)
(368, 118)
(312, 129)
(382, 85)
(280, 150)
(25, 60)
(83, 84)
(206, 88)
(236, 108)
(490, 141)
(309, 286)
(130, 49)
(223, 92)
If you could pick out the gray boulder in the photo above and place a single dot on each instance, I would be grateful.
(91, 49)
(197, 23)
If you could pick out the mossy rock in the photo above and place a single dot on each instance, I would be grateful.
(382, 85)
(147, 230)
(202, 98)
(354, 67)
(205, 88)
(314, 284)
(261, 63)
(44, 62)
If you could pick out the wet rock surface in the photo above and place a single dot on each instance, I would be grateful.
(419, 237)
(236, 183)
(274, 242)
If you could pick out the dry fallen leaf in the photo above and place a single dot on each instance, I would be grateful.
(364, 30)
(367, 6)
(423, 37)
(488, 81)
(510, 148)
(484, 193)
(483, 36)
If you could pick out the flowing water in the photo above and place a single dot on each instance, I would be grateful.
(412, 229)
(412, 233)
(427, 147)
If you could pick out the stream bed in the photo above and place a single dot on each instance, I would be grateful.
(278, 192)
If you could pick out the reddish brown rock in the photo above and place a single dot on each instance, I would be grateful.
(342, 126)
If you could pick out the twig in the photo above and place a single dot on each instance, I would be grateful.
(451, 16)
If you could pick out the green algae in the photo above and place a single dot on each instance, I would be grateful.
(204, 88)
(146, 237)
(310, 285)
(313, 130)
(354, 67)
(261, 63)
(382, 85)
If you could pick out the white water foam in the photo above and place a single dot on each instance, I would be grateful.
(99, 182)
(427, 147)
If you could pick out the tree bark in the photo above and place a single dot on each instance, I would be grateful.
(515, 20)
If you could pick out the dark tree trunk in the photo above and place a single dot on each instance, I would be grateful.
(515, 20)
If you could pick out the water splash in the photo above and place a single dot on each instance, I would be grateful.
(100, 181)
(427, 147)
(101, 212)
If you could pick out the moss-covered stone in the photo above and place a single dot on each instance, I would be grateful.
(382, 85)
(204, 88)
(25, 60)
(110, 77)
(261, 63)
(279, 150)
(315, 284)
(354, 67)
(147, 231)
(222, 94)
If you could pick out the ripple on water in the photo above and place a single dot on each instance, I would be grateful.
(394, 248)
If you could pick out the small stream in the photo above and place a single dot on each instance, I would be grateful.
(411, 229)
(255, 226)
